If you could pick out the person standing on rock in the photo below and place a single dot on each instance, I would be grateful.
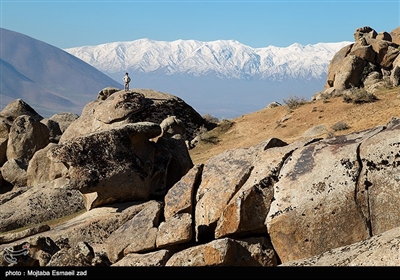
(126, 80)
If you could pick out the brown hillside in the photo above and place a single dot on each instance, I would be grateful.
(290, 125)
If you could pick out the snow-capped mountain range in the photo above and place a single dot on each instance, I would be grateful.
(225, 59)
(223, 78)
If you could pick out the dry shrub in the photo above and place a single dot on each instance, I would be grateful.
(294, 102)
(340, 126)
(359, 96)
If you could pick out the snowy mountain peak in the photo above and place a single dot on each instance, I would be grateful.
(221, 58)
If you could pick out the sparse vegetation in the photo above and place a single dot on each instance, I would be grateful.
(293, 102)
(340, 126)
(359, 96)
(325, 97)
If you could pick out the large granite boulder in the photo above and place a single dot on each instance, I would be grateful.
(41, 169)
(64, 120)
(14, 172)
(122, 164)
(316, 189)
(26, 137)
(350, 73)
(17, 108)
(335, 65)
(123, 107)
(223, 175)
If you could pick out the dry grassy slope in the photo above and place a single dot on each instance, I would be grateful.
(248, 130)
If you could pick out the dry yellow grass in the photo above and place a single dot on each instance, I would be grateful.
(290, 125)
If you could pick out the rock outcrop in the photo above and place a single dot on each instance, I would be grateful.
(372, 61)
(122, 107)
(268, 205)
(118, 158)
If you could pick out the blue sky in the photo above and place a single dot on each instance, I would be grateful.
(73, 23)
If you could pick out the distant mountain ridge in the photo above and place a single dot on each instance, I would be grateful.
(223, 78)
(227, 59)
(46, 77)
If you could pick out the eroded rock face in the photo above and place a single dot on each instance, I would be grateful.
(122, 107)
(179, 211)
(64, 120)
(106, 92)
(223, 252)
(97, 167)
(350, 73)
(223, 175)
(316, 190)
(236, 190)
(38, 204)
(93, 226)
(176, 230)
(131, 168)
(4, 127)
(119, 106)
(41, 169)
(378, 189)
(26, 137)
(136, 235)
(9, 237)
(171, 126)
(335, 65)
(312, 202)
(180, 198)
(395, 74)
(379, 250)
(395, 35)
(248, 208)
